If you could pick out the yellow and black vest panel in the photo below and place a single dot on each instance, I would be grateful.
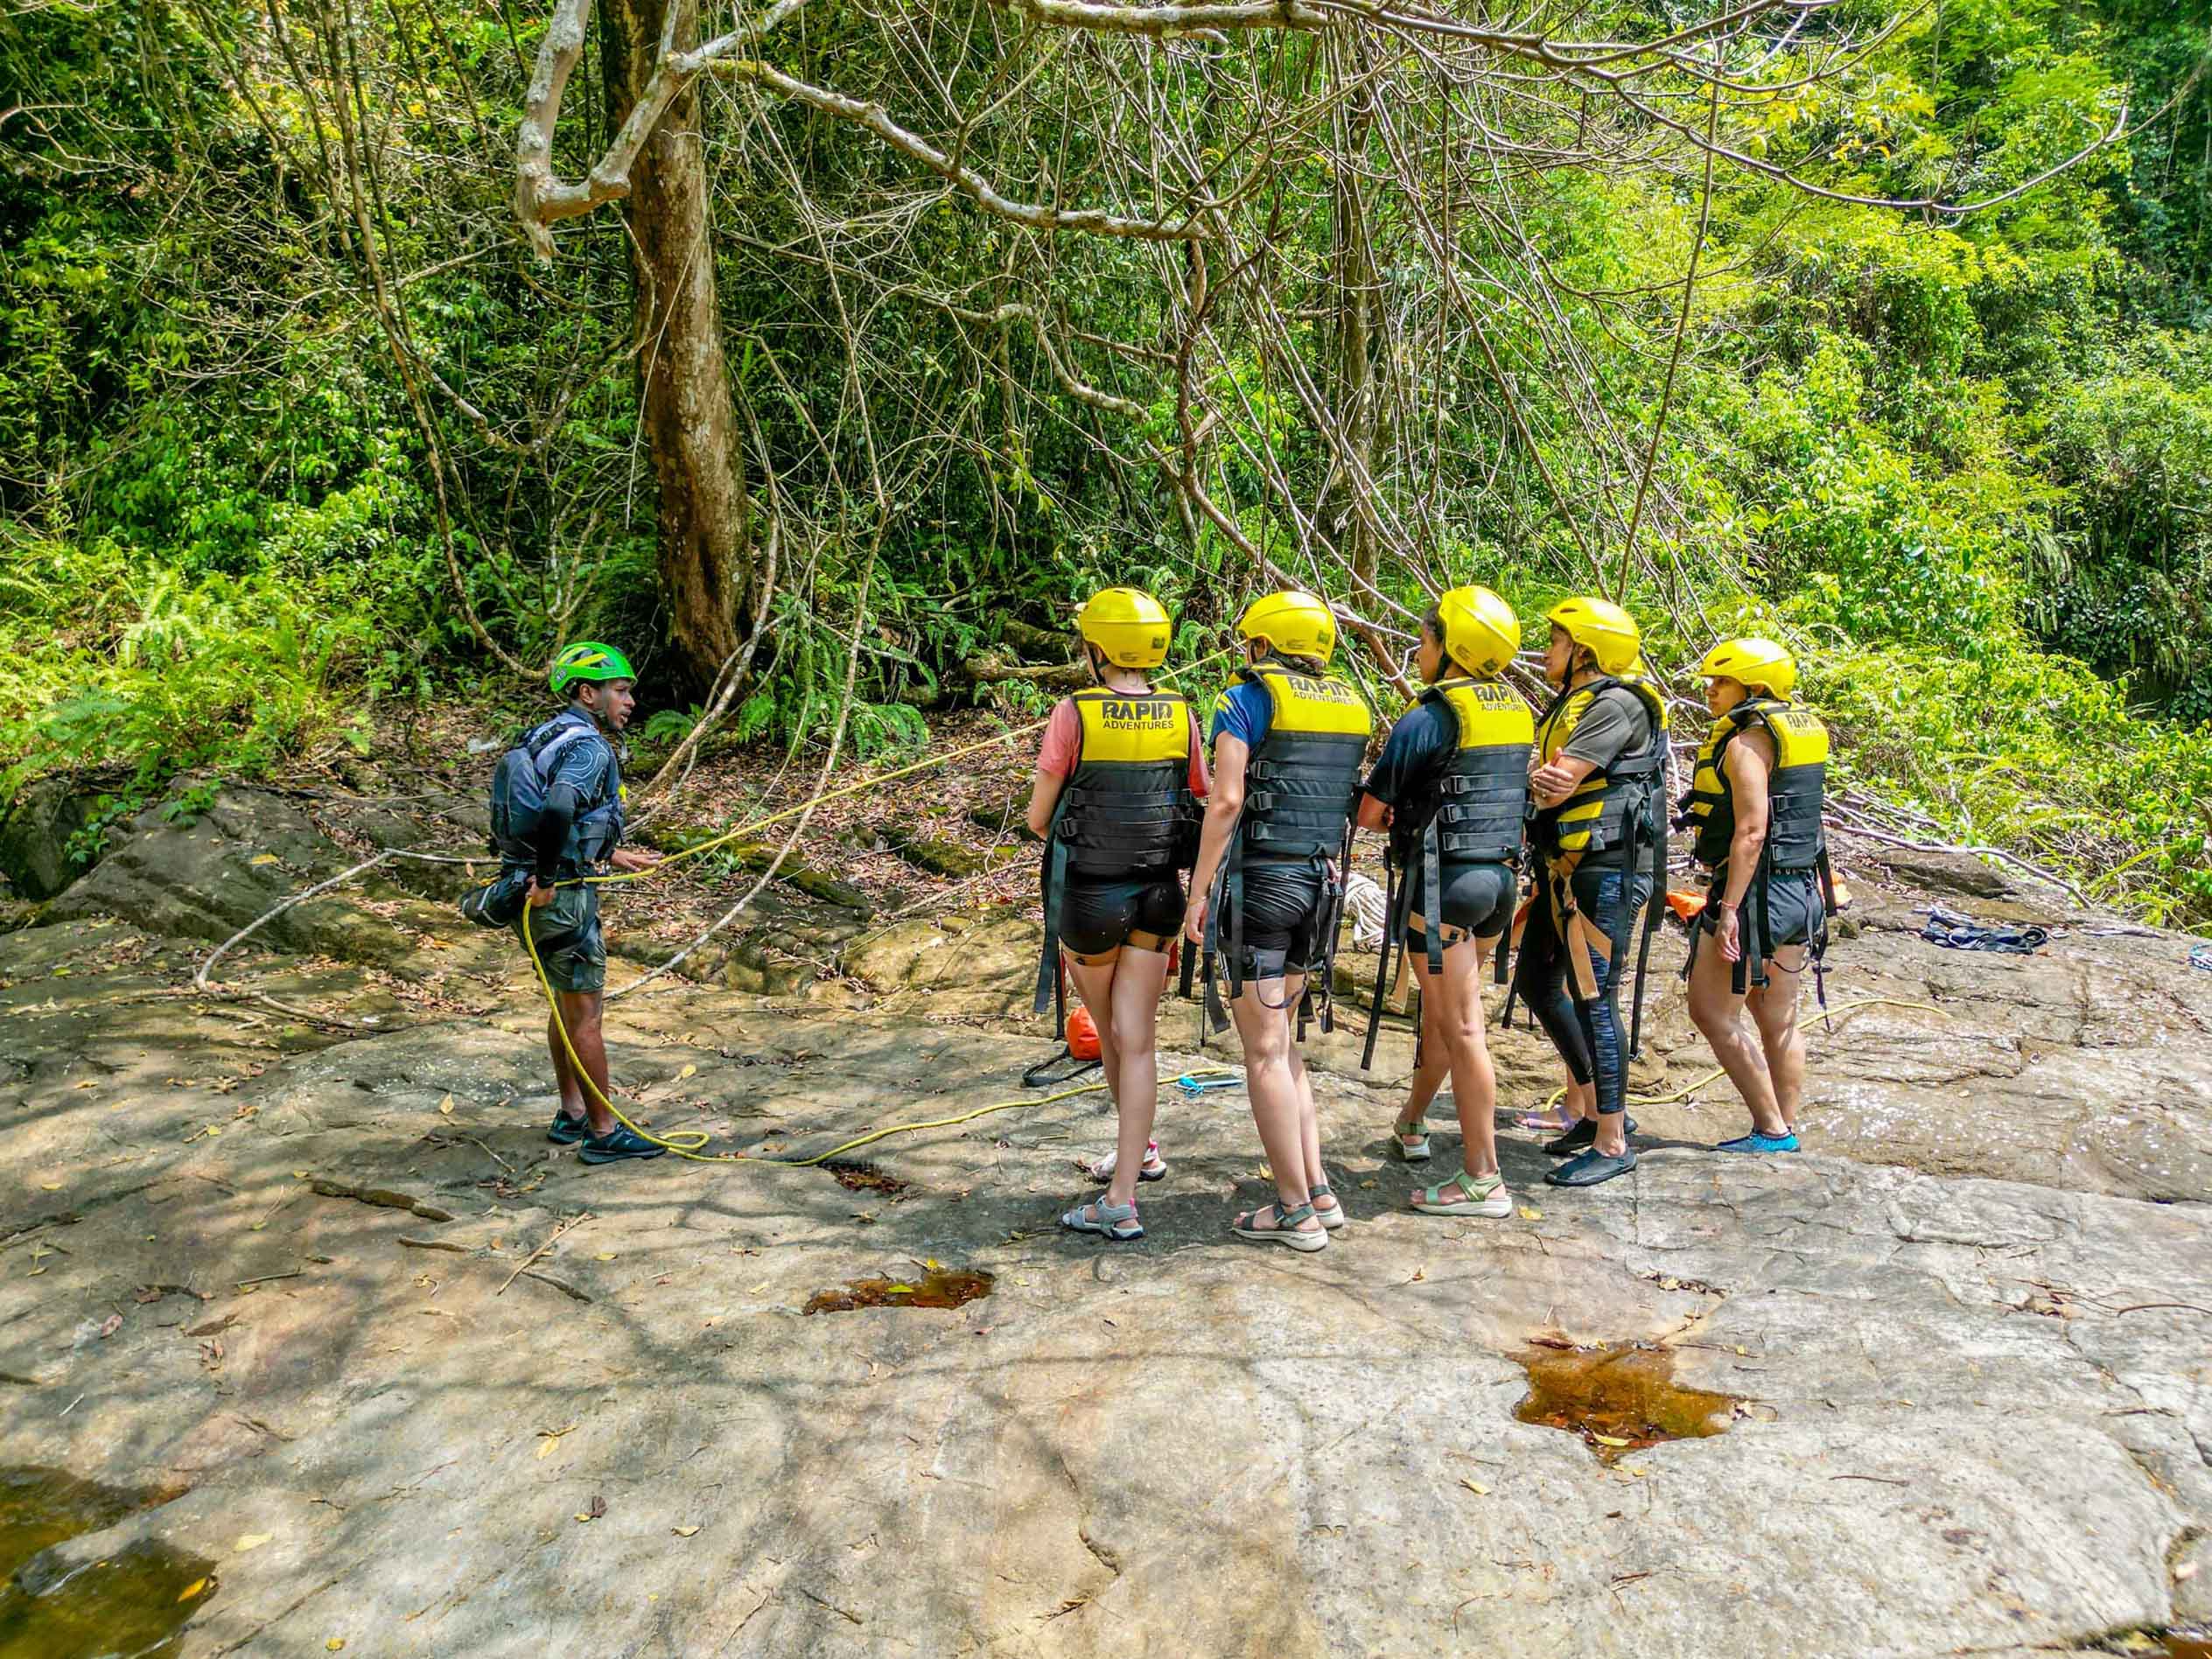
(1480, 798)
(1595, 818)
(1119, 812)
(1795, 789)
(1300, 785)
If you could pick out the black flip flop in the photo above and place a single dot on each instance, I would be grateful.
(1581, 1139)
(621, 1142)
(1587, 1169)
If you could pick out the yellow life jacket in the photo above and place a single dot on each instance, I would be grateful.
(1130, 792)
(1795, 787)
(1477, 802)
(1600, 813)
(1301, 780)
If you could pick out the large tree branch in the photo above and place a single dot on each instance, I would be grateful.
(541, 198)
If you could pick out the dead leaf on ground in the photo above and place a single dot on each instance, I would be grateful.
(683, 1532)
(1476, 1487)
(1611, 1439)
(251, 1541)
(109, 1326)
(446, 1106)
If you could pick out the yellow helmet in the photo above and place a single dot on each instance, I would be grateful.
(1129, 627)
(1481, 632)
(1294, 623)
(1609, 632)
(1757, 664)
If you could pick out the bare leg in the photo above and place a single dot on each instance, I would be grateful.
(1458, 1000)
(1582, 1100)
(564, 1077)
(580, 1014)
(1309, 1115)
(1774, 1008)
(1274, 1083)
(1137, 981)
(1718, 1012)
(1436, 1057)
(1096, 982)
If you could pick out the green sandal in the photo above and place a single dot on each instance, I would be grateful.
(1417, 1151)
(1484, 1196)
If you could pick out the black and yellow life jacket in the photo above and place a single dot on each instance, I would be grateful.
(1598, 817)
(1796, 843)
(1300, 786)
(1623, 806)
(1130, 793)
(1127, 809)
(1301, 780)
(1795, 787)
(1476, 803)
(1472, 811)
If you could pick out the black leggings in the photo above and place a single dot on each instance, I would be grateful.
(1587, 1035)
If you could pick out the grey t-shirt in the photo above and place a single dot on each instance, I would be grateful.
(1616, 724)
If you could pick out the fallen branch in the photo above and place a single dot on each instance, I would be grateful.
(564, 1228)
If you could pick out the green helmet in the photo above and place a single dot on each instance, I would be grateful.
(589, 660)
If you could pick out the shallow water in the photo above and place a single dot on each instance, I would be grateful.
(133, 1602)
(1618, 1398)
(942, 1288)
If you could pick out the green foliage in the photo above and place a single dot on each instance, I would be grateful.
(1964, 461)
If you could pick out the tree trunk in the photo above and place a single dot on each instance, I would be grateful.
(705, 530)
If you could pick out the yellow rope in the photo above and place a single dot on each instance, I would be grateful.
(686, 1143)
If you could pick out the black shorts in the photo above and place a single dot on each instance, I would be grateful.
(1477, 900)
(1095, 917)
(1793, 909)
(1281, 918)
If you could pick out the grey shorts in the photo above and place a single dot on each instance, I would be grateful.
(1793, 908)
(570, 942)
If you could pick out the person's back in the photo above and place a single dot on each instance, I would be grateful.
(1452, 789)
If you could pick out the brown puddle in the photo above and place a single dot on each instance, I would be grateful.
(1619, 1398)
(2188, 1644)
(134, 1601)
(865, 1178)
(939, 1289)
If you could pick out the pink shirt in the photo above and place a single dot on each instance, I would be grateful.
(1063, 736)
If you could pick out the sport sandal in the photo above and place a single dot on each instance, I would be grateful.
(1116, 1221)
(1332, 1217)
(1414, 1150)
(1152, 1169)
(1285, 1230)
(1466, 1195)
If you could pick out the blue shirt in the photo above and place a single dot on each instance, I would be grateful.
(1419, 745)
(1244, 712)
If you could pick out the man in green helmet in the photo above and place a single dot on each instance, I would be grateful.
(580, 833)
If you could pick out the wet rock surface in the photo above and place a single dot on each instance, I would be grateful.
(424, 1384)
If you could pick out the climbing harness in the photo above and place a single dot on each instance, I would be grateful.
(1126, 809)
(1796, 843)
(1619, 806)
(1300, 784)
(1472, 812)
